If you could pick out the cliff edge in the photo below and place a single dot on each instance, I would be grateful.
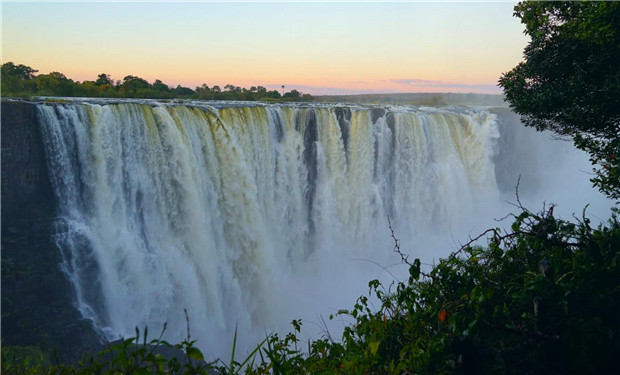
(37, 298)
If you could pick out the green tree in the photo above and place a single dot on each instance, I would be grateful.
(54, 83)
(21, 71)
(569, 81)
(261, 91)
(540, 299)
(132, 84)
(17, 78)
(293, 94)
(204, 92)
(104, 79)
(233, 88)
(273, 94)
(87, 89)
(158, 85)
(183, 91)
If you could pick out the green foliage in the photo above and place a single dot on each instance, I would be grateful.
(132, 84)
(543, 298)
(160, 86)
(24, 360)
(569, 81)
(104, 79)
(17, 79)
(20, 80)
(293, 94)
(54, 84)
(20, 71)
(134, 355)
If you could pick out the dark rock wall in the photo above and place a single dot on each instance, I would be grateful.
(37, 299)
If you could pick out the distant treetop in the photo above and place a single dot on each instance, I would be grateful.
(20, 80)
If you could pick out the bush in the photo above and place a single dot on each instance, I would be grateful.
(543, 298)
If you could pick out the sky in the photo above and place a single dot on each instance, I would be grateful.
(314, 47)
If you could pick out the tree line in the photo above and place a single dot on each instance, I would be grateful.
(19, 80)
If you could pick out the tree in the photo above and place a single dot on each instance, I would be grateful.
(274, 94)
(569, 81)
(158, 85)
(87, 89)
(54, 83)
(183, 91)
(204, 92)
(293, 94)
(17, 78)
(261, 91)
(21, 71)
(233, 88)
(104, 79)
(133, 84)
(540, 299)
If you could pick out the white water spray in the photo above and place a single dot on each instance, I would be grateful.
(250, 216)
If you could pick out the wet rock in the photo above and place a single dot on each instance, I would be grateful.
(37, 299)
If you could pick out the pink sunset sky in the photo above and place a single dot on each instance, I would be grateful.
(316, 48)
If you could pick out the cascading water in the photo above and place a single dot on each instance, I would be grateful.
(250, 215)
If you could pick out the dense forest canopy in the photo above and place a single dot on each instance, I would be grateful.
(569, 82)
(21, 81)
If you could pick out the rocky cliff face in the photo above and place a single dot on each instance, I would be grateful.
(37, 306)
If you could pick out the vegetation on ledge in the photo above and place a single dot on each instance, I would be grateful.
(541, 298)
(21, 81)
(569, 82)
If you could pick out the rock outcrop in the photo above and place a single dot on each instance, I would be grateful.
(37, 302)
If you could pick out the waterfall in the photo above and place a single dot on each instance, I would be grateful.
(245, 214)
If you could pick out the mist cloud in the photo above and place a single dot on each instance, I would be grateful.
(481, 88)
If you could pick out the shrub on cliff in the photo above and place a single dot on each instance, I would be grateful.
(542, 298)
(569, 81)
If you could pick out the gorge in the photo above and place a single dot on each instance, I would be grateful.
(246, 215)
